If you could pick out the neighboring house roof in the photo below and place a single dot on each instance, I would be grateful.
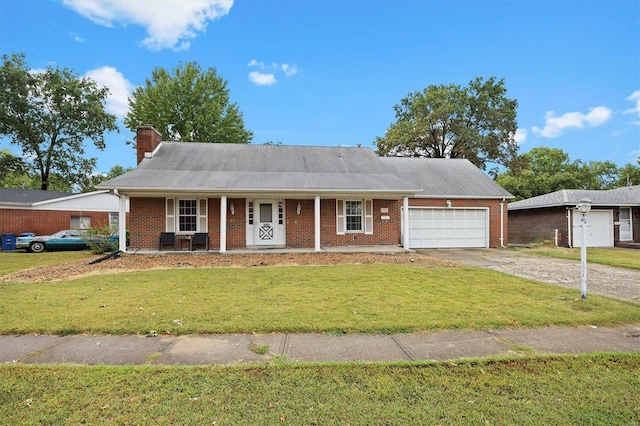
(625, 196)
(445, 177)
(228, 168)
(29, 196)
(17, 198)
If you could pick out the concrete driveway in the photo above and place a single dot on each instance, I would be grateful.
(601, 279)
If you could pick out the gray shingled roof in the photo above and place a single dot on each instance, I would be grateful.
(625, 196)
(445, 177)
(179, 166)
(29, 196)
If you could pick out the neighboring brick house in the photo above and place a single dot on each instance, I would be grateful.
(614, 219)
(253, 196)
(47, 212)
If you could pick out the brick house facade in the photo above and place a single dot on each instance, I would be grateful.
(312, 197)
(614, 219)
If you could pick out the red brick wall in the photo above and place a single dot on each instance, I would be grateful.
(44, 222)
(236, 223)
(537, 225)
(494, 214)
(146, 222)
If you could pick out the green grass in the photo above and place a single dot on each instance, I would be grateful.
(346, 298)
(613, 257)
(579, 390)
(19, 260)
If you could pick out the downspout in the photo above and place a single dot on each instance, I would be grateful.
(569, 229)
(405, 223)
(502, 223)
(316, 223)
(122, 219)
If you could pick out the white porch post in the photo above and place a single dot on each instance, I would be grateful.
(316, 222)
(223, 224)
(122, 223)
(405, 223)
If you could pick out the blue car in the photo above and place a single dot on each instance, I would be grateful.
(68, 239)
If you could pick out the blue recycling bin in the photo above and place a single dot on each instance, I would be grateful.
(8, 242)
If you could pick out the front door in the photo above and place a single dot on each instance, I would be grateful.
(626, 233)
(265, 227)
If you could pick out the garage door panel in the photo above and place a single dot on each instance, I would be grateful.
(599, 229)
(447, 228)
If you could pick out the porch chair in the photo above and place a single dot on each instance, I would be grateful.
(200, 238)
(167, 239)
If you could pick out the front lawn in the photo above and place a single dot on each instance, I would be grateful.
(338, 299)
(622, 258)
(11, 261)
(576, 390)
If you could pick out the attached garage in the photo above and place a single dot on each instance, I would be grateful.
(599, 228)
(448, 227)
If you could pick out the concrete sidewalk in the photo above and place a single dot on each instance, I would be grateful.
(237, 348)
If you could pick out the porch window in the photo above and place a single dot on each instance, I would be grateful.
(353, 216)
(186, 216)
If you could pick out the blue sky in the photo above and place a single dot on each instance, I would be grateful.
(313, 72)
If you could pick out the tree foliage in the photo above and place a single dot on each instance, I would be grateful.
(477, 122)
(543, 170)
(188, 105)
(50, 115)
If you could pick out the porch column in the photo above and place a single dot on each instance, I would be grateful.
(405, 223)
(316, 222)
(122, 222)
(223, 224)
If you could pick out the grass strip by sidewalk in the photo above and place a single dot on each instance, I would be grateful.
(337, 299)
(585, 389)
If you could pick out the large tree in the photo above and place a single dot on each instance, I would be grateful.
(543, 170)
(188, 105)
(50, 115)
(448, 121)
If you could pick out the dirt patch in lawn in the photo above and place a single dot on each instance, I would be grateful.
(136, 262)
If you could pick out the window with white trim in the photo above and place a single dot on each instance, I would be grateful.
(186, 215)
(353, 216)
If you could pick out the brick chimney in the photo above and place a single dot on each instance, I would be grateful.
(147, 139)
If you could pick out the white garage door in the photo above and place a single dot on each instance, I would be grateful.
(448, 228)
(599, 228)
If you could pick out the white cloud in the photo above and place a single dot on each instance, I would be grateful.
(554, 126)
(120, 88)
(635, 97)
(169, 23)
(262, 79)
(520, 136)
(289, 70)
(76, 37)
(269, 78)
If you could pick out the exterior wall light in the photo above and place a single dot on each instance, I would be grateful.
(449, 203)
(298, 209)
(584, 206)
(232, 208)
